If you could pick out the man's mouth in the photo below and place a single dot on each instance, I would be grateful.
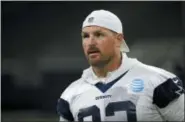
(93, 52)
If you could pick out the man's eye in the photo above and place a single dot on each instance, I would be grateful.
(98, 34)
(85, 36)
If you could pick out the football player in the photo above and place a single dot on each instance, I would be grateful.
(116, 87)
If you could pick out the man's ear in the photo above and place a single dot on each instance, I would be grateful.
(119, 38)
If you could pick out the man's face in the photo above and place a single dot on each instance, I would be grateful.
(99, 45)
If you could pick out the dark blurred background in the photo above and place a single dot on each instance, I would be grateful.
(42, 53)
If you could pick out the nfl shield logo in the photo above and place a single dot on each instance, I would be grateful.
(91, 19)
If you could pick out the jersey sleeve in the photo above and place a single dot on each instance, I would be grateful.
(63, 110)
(64, 102)
(169, 99)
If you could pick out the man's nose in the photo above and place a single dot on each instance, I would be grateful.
(92, 40)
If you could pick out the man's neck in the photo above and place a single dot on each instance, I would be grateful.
(111, 66)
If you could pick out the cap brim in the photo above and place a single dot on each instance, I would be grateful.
(124, 47)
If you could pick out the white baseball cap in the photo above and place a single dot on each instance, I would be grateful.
(106, 19)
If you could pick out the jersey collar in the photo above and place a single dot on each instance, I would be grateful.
(90, 77)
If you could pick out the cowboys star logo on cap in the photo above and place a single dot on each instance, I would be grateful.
(91, 19)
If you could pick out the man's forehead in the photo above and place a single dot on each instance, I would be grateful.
(91, 29)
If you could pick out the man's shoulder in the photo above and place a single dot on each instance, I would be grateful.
(75, 88)
(163, 85)
(63, 105)
(154, 76)
(153, 71)
(70, 89)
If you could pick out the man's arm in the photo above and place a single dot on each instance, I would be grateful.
(169, 99)
(175, 110)
(64, 110)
